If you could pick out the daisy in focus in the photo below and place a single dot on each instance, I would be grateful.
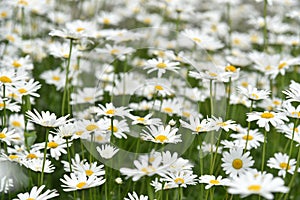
(266, 117)
(161, 66)
(282, 162)
(36, 193)
(161, 134)
(211, 181)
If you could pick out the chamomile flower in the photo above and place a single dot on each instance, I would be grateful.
(54, 77)
(10, 77)
(161, 66)
(107, 151)
(281, 161)
(8, 136)
(135, 196)
(65, 131)
(266, 117)
(146, 120)
(86, 95)
(180, 178)
(253, 93)
(16, 121)
(27, 88)
(290, 132)
(161, 134)
(110, 110)
(209, 148)
(80, 182)
(169, 106)
(37, 165)
(263, 185)
(24, 63)
(118, 129)
(116, 51)
(36, 193)
(254, 138)
(196, 125)
(217, 123)
(211, 181)
(90, 169)
(293, 93)
(235, 162)
(46, 118)
(290, 110)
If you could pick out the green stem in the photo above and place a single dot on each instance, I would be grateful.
(45, 153)
(248, 129)
(4, 109)
(69, 154)
(216, 153)
(265, 30)
(66, 89)
(264, 151)
(211, 98)
(229, 22)
(228, 98)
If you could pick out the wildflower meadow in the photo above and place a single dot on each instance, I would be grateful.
(149, 99)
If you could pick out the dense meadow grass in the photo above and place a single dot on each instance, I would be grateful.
(148, 99)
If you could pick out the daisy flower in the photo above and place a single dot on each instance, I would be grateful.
(107, 151)
(263, 119)
(16, 121)
(253, 93)
(24, 63)
(108, 18)
(46, 119)
(293, 93)
(217, 123)
(80, 182)
(263, 185)
(209, 148)
(36, 193)
(161, 66)
(146, 120)
(118, 129)
(54, 77)
(10, 77)
(290, 132)
(27, 88)
(135, 196)
(37, 165)
(65, 131)
(211, 180)
(236, 163)
(161, 134)
(110, 110)
(196, 125)
(8, 136)
(180, 178)
(169, 106)
(281, 161)
(90, 169)
(254, 138)
(115, 51)
(86, 95)
(290, 110)
(5, 184)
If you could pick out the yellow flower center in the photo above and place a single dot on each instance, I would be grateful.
(115, 129)
(230, 68)
(22, 90)
(236, 41)
(245, 84)
(222, 124)
(16, 64)
(23, 2)
(159, 87)
(16, 123)
(147, 170)
(237, 163)
(110, 112)
(296, 130)
(91, 127)
(87, 98)
(254, 96)
(214, 182)
(268, 68)
(196, 39)
(31, 156)
(186, 114)
(3, 14)
(114, 51)
(79, 29)
(277, 103)
(30, 198)
(66, 55)
(179, 180)
(79, 133)
(1, 105)
(89, 172)
(161, 65)
(161, 138)
(168, 110)
(52, 145)
(296, 113)
(99, 138)
(55, 78)
(5, 79)
(2, 135)
(13, 157)
(254, 188)
(140, 119)
(212, 74)
(249, 137)
(10, 38)
(147, 20)
(106, 21)
(282, 65)
(198, 128)
(81, 185)
(267, 115)
(284, 165)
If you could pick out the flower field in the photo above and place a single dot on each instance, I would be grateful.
(148, 99)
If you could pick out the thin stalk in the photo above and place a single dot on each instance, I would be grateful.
(228, 98)
(265, 30)
(45, 153)
(69, 154)
(264, 151)
(229, 23)
(248, 129)
(211, 98)
(216, 153)
(66, 89)
(4, 109)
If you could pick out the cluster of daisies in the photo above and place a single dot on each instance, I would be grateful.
(141, 100)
